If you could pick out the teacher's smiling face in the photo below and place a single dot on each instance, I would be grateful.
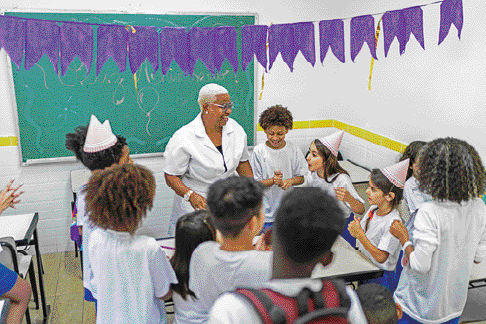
(219, 110)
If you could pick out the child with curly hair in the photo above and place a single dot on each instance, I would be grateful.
(277, 164)
(131, 273)
(449, 234)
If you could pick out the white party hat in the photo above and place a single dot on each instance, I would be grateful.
(333, 141)
(397, 173)
(99, 137)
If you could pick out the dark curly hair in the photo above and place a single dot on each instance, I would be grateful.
(97, 160)
(385, 185)
(331, 164)
(276, 116)
(117, 198)
(451, 169)
(233, 202)
(411, 152)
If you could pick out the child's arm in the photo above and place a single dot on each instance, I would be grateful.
(344, 195)
(356, 231)
(295, 181)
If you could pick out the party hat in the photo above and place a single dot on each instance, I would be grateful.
(397, 173)
(99, 137)
(333, 141)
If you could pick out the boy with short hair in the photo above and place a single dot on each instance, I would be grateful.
(236, 211)
(378, 304)
(307, 223)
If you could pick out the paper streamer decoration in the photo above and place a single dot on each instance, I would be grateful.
(12, 37)
(201, 45)
(42, 37)
(331, 34)
(450, 13)
(254, 42)
(76, 40)
(394, 25)
(377, 35)
(174, 45)
(414, 20)
(143, 45)
(112, 42)
(362, 30)
(288, 39)
(224, 47)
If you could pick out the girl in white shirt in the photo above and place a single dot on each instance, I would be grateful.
(131, 273)
(326, 173)
(449, 234)
(191, 230)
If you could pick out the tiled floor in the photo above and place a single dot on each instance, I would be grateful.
(64, 291)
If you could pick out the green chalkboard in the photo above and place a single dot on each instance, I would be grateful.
(50, 105)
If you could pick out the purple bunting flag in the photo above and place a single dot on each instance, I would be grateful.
(12, 37)
(394, 24)
(254, 42)
(225, 47)
(202, 45)
(76, 39)
(362, 30)
(414, 20)
(112, 42)
(174, 45)
(42, 38)
(143, 45)
(331, 34)
(450, 13)
(304, 40)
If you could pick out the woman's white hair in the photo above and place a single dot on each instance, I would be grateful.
(207, 94)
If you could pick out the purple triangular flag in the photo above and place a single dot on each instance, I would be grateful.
(76, 39)
(143, 45)
(254, 42)
(281, 40)
(174, 45)
(414, 20)
(331, 34)
(202, 46)
(304, 40)
(112, 42)
(394, 25)
(225, 47)
(42, 38)
(450, 13)
(362, 30)
(12, 37)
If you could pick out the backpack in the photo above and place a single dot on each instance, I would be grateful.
(329, 305)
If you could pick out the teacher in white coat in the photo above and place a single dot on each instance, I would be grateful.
(209, 148)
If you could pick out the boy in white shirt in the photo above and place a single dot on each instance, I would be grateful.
(236, 211)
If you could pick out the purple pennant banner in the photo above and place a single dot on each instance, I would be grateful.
(175, 45)
(450, 13)
(362, 30)
(225, 47)
(12, 37)
(76, 39)
(394, 25)
(281, 40)
(42, 38)
(254, 42)
(304, 40)
(202, 45)
(331, 34)
(112, 42)
(143, 45)
(414, 20)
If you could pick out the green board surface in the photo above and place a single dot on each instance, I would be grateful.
(50, 105)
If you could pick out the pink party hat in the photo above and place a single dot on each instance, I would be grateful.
(99, 137)
(397, 173)
(333, 141)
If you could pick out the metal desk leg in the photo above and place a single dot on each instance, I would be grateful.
(46, 309)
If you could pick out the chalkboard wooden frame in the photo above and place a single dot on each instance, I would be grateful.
(26, 161)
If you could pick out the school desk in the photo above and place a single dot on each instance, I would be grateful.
(23, 229)
(478, 275)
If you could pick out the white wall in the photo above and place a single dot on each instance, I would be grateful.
(419, 95)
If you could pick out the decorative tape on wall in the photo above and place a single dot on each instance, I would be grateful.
(9, 141)
(353, 130)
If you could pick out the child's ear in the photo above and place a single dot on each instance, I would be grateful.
(326, 258)
(399, 311)
(390, 196)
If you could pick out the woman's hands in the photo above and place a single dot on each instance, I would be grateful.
(8, 196)
(197, 201)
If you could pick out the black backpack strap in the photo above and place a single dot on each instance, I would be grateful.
(263, 305)
(302, 301)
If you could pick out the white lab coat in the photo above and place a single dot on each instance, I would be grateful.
(191, 155)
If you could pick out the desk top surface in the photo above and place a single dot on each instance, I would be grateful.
(356, 173)
(478, 272)
(17, 226)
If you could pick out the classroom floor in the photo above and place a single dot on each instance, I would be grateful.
(64, 292)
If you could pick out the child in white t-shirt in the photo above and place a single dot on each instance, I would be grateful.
(131, 273)
(372, 232)
(277, 164)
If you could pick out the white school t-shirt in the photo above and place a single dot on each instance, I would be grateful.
(265, 161)
(213, 271)
(184, 309)
(131, 274)
(448, 237)
(379, 235)
(312, 179)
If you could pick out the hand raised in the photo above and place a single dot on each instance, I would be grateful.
(354, 227)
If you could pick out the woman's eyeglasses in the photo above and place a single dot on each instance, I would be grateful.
(225, 106)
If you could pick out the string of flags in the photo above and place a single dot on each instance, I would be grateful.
(30, 39)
